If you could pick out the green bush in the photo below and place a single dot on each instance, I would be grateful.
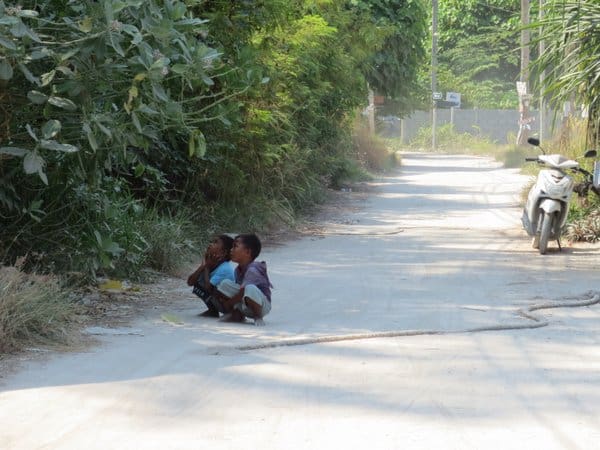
(117, 108)
(103, 121)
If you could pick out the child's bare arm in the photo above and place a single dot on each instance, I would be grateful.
(229, 303)
(209, 262)
(193, 278)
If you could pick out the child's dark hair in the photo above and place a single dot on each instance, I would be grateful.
(251, 242)
(227, 242)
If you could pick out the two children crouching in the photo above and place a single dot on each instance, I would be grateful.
(237, 293)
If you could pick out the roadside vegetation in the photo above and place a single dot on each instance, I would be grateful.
(448, 140)
(132, 131)
(573, 76)
(375, 153)
(34, 310)
(127, 121)
(478, 52)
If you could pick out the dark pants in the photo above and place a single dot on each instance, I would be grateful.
(212, 303)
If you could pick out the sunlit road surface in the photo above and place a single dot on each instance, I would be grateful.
(437, 248)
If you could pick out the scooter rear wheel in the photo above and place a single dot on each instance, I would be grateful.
(546, 229)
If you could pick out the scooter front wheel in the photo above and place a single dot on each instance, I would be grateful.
(546, 229)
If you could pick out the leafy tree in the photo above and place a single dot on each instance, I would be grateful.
(478, 51)
(119, 112)
(385, 38)
(101, 99)
(393, 69)
(570, 62)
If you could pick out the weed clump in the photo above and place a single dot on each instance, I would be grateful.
(372, 151)
(449, 140)
(34, 310)
(586, 228)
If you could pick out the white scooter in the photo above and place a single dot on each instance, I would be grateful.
(547, 206)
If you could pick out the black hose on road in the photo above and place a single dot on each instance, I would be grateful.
(537, 323)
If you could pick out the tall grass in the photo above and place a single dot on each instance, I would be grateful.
(170, 240)
(374, 152)
(448, 140)
(34, 309)
(584, 215)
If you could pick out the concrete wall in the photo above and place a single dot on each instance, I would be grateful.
(495, 124)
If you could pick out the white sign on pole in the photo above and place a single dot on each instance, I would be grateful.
(453, 97)
(437, 95)
(521, 88)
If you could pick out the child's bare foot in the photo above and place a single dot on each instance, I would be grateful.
(234, 316)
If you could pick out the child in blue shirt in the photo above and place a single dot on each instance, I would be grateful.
(215, 268)
(249, 295)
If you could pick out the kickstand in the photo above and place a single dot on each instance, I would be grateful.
(559, 246)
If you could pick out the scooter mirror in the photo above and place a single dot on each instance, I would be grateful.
(590, 154)
(533, 141)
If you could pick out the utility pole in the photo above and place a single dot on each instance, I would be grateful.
(525, 40)
(434, 23)
(523, 91)
(542, 48)
(371, 110)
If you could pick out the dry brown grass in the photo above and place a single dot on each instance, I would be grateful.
(34, 310)
(572, 139)
(373, 151)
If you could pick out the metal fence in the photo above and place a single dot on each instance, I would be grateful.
(498, 125)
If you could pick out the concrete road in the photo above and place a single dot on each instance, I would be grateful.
(437, 248)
